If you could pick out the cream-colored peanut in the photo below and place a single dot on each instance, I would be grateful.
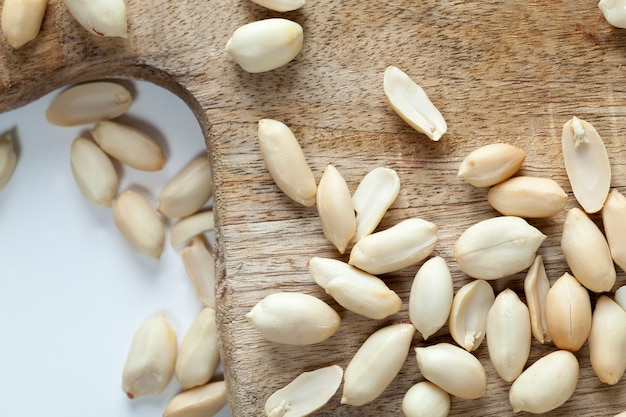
(614, 12)
(508, 335)
(335, 209)
(21, 20)
(411, 103)
(307, 393)
(198, 356)
(93, 171)
(129, 145)
(586, 163)
(400, 246)
(546, 384)
(323, 270)
(369, 297)
(468, 314)
(376, 363)
(280, 5)
(200, 266)
(452, 369)
(286, 162)
(614, 221)
(536, 286)
(620, 296)
(607, 340)
(294, 318)
(528, 197)
(100, 17)
(265, 45)
(8, 158)
(150, 362)
(425, 399)
(189, 227)
(430, 299)
(203, 401)
(139, 223)
(491, 164)
(587, 252)
(568, 313)
(89, 103)
(497, 247)
(372, 198)
(188, 191)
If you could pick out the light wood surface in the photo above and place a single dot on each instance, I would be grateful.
(499, 71)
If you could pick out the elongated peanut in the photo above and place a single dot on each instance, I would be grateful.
(139, 223)
(508, 335)
(189, 227)
(286, 162)
(198, 356)
(497, 247)
(369, 297)
(150, 362)
(265, 45)
(536, 286)
(614, 221)
(203, 401)
(8, 159)
(129, 145)
(452, 369)
(323, 270)
(335, 209)
(376, 363)
(376, 192)
(431, 296)
(93, 171)
(586, 163)
(400, 246)
(425, 399)
(528, 197)
(280, 5)
(21, 20)
(587, 252)
(294, 318)
(607, 340)
(613, 12)
(188, 191)
(307, 393)
(200, 266)
(100, 17)
(568, 313)
(411, 103)
(546, 384)
(468, 314)
(491, 164)
(89, 103)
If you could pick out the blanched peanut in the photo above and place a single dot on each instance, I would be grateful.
(376, 192)
(187, 192)
(204, 401)
(528, 197)
(491, 164)
(536, 286)
(94, 172)
(468, 315)
(426, 399)
(607, 340)
(335, 209)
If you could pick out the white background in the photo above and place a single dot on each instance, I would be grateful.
(72, 292)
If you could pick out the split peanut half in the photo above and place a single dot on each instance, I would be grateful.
(411, 103)
(100, 17)
(400, 246)
(468, 314)
(586, 163)
(546, 384)
(150, 362)
(491, 164)
(294, 318)
(497, 247)
(587, 252)
(536, 286)
(425, 399)
(377, 362)
(8, 159)
(89, 103)
(21, 20)
(286, 162)
(129, 145)
(607, 340)
(430, 299)
(188, 191)
(93, 171)
(199, 263)
(614, 220)
(307, 393)
(335, 209)
(528, 197)
(203, 401)
(265, 45)
(372, 198)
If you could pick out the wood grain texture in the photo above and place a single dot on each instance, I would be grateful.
(499, 71)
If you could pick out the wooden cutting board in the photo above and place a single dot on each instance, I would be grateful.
(499, 71)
